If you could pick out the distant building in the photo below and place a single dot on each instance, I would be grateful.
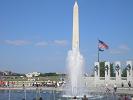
(1, 73)
(7, 73)
(32, 74)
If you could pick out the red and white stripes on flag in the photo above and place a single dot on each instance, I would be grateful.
(102, 45)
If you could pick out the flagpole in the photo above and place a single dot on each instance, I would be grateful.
(98, 51)
(98, 56)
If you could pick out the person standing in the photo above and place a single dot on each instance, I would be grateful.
(129, 84)
(125, 97)
(84, 98)
(122, 84)
(106, 88)
(115, 87)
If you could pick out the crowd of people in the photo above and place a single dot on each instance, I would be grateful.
(6, 83)
(56, 84)
(107, 89)
(84, 98)
(122, 96)
(125, 97)
(48, 83)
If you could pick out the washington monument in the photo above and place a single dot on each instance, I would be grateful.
(75, 38)
(75, 59)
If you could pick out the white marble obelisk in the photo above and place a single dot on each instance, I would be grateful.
(75, 38)
(75, 59)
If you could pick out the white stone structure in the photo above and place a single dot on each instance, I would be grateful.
(107, 71)
(118, 79)
(97, 71)
(129, 67)
(32, 74)
(118, 70)
(75, 38)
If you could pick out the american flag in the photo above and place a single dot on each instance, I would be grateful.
(102, 45)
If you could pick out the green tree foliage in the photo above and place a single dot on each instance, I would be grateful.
(102, 69)
(124, 73)
(48, 74)
(51, 74)
(112, 72)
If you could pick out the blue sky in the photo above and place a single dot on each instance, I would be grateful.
(35, 35)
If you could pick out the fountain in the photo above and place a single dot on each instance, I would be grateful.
(75, 60)
(75, 67)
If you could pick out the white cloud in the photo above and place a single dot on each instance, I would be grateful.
(52, 43)
(116, 51)
(17, 42)
(41, 44)
(122, 49)
(60, 42)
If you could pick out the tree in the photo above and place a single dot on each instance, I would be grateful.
(124, 73)
(112, 72)
(48, 74)
(102, 69)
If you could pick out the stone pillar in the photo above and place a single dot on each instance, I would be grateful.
(118, 71)
(97, 71)
(107, 71)
(129, 67)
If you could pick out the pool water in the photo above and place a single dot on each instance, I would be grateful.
(46, 95)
